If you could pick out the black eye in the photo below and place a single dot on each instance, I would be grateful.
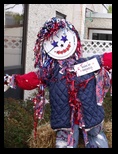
(64, 38)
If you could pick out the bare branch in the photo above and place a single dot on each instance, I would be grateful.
(11, 7)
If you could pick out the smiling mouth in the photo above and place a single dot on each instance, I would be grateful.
(64, 50)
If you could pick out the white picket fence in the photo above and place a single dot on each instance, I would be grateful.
(12, 42)
(12, 50)
(13, 45)
(93, 47)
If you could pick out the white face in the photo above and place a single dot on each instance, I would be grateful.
(62, 45)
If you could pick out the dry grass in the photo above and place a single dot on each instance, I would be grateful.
(108, 132)
(45, 138)
(108, 118)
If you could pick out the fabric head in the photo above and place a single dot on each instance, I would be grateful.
(57, 39)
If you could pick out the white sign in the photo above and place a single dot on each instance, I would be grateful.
(87, 67)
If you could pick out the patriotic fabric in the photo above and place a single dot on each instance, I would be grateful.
(102, 84)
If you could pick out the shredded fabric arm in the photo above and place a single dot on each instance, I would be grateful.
(103, 79)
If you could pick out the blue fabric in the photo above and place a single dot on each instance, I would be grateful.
(76, 136)
(58, 94)
(96, 138)
(61, 139)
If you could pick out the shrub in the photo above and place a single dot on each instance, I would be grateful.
(18, 124)
(108, 107)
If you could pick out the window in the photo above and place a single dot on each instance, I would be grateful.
(60, 15)
(13, 34)
(100, 35)
(97, 36)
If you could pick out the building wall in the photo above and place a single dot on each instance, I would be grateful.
(99, 21)
(97, 8)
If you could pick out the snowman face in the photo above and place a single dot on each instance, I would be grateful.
(62, 45)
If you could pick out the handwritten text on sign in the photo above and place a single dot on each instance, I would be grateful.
(87, 67)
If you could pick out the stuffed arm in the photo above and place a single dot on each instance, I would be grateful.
(27, 81)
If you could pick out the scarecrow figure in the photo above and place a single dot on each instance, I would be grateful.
(77, 85)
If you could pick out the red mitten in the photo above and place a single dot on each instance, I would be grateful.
(107, 60)
(27, 81)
